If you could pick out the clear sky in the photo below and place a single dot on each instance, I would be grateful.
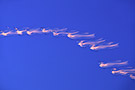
(45, 62)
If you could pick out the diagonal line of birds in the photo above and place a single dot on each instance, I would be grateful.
(84, 41)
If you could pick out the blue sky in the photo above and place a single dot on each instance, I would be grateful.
(44, 62)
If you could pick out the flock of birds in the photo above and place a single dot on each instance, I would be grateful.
(85, 40)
